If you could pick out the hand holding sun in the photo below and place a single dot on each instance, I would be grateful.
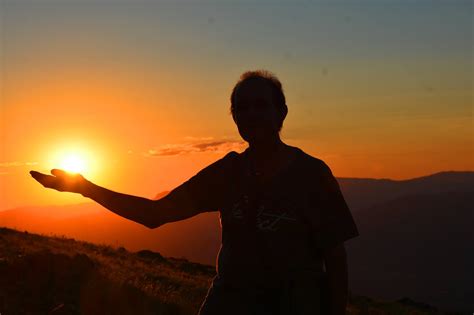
(61, 181)
(66, 179)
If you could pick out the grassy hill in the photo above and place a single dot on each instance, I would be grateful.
(58, 275)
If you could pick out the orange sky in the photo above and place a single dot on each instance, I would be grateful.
(125, 93)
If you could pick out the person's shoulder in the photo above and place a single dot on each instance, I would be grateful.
(231, 155)
(227, 161)
(219, 168)
(312, 163)
(229, 158)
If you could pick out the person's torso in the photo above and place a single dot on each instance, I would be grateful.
(265, 238)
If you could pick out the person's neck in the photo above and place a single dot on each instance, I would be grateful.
(262, 153)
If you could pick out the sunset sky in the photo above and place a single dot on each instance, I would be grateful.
(140, 89)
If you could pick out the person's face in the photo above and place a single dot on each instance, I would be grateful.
(256, 114)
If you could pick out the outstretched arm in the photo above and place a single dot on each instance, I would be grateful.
(150, 213)
(138, 209)
(201, 193)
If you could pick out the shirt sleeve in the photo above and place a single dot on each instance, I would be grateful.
(203, 192)
(332, 222)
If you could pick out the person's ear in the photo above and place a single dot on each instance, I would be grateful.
(284, 112)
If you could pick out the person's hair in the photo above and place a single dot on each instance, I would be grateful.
(270, 78)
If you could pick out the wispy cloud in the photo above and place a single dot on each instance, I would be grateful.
(197, 145)
(13, 164)
(17, 163)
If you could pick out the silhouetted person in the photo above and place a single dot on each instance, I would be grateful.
(283, 217)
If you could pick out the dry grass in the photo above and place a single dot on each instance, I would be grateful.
(169, 281)
(59, 275)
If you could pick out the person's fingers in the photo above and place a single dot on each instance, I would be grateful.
(65, 174)
(33, 173)
(47, 181)
(37, 175)
(58, 172)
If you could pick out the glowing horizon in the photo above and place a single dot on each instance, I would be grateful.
(139, 93)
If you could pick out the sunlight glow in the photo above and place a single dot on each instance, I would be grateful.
(73, 159)
(73, 163)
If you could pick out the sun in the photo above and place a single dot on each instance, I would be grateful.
(73, 163)
(77, 156)
(72, 159)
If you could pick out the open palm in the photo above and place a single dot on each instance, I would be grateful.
(61, 180)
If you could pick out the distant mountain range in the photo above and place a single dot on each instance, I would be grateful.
(419, 244)
(416, 237)
(366, 192)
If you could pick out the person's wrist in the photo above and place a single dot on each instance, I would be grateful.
(85, 188)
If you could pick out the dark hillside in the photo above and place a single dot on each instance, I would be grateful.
(58, 275)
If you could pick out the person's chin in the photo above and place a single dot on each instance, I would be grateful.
(254, 135)
(257, 138)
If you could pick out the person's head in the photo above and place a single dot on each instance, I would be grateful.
(258, 105)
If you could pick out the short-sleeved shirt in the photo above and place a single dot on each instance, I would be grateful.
(279, 231)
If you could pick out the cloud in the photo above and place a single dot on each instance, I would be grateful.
(197, 145)
(198, 138)
(14, 164)
(17, 163)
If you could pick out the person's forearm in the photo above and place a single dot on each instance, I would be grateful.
(336, 268)
(135, 208)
